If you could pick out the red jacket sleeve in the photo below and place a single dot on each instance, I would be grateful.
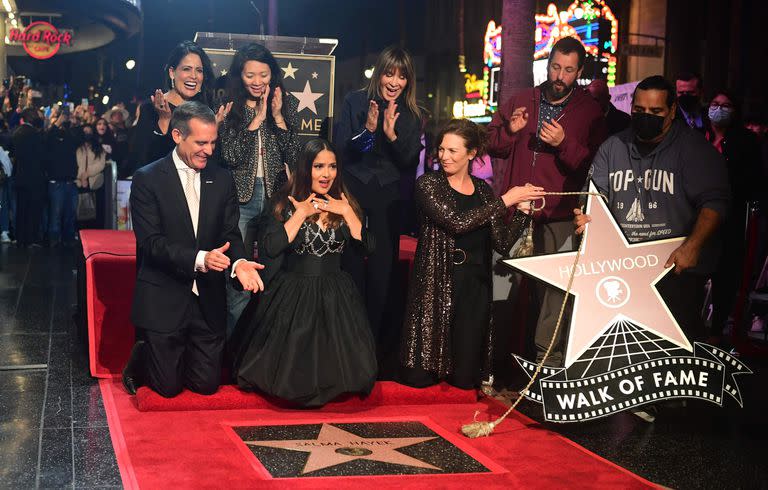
(575, 154)
(500, 141)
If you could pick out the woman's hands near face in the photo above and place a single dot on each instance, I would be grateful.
(390, 117)
(339, 206)
(306, 207)
(372, 120)
(261, 111)
(162, 107)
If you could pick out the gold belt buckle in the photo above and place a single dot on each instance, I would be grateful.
(463, 258)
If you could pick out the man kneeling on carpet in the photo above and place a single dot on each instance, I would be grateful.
(185, 216)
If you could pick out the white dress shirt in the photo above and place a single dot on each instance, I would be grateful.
(182, 169)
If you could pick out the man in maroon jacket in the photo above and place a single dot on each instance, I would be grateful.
(548, 135)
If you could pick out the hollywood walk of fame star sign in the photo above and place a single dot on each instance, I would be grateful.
(624, 345)
(614, 280)
(358, 448)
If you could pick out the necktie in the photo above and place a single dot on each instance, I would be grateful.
(193, 203)
(193, 200)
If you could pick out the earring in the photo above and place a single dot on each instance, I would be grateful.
(173, 83)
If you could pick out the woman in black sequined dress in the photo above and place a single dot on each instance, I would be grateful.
(308, 339)
(446, 332)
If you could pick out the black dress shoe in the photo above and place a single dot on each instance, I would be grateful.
(133, 371)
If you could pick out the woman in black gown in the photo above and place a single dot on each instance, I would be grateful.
(446, 332)
(308, 340)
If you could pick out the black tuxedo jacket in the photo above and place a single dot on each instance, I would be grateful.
(166, 246)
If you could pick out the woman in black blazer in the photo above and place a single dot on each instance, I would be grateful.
(379, 139)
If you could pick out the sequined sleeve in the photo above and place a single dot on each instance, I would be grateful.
(238, 144)
(287, 140)
(432, 199)
(504, 235)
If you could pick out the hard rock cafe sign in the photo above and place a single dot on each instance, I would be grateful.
(41, 40)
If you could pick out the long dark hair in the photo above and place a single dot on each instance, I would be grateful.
(174, 58)
(92, 141)
(108, 138)
(238, 94)
(299, 186)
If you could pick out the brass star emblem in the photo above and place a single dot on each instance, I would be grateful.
(289, 71)
(307, 98)
(335, 446)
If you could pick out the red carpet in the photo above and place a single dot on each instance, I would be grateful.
(110, 269)
(197, 449)
(229, 397)
(110, 275)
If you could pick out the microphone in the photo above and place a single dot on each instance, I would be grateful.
(261, 19)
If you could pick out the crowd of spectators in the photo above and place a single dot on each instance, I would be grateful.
(52, 155)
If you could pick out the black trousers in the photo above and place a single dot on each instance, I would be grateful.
(375, 275)
(726, 279)
(684, 295)
(29, 216)
(189, 357)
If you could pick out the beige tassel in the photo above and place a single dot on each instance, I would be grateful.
(483, 429)
(478, 428)
(525, 249)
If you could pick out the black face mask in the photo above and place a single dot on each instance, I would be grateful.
(689, 103)
(647, 126)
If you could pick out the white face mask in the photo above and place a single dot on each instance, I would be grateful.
(721, 116)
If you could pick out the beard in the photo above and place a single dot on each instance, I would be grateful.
(558, 90)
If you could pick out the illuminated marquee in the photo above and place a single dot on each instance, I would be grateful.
(590, 21)
(492, 64)
(492, 45)
(474, 88)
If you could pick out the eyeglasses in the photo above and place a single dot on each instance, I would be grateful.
(727, 105)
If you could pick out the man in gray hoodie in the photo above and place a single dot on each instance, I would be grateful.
(663, 180)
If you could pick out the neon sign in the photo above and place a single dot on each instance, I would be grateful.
(492, 45)
(590, 21)
(41, 40)
(474, 88)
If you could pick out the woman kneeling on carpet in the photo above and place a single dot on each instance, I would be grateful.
(446, 332)
(308, 340)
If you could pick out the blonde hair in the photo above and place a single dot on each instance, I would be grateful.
(391, 59)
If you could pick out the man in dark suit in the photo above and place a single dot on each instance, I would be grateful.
(28, 152)
(185, 216)
(616, 121)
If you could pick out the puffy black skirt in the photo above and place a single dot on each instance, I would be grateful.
(308, 340)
